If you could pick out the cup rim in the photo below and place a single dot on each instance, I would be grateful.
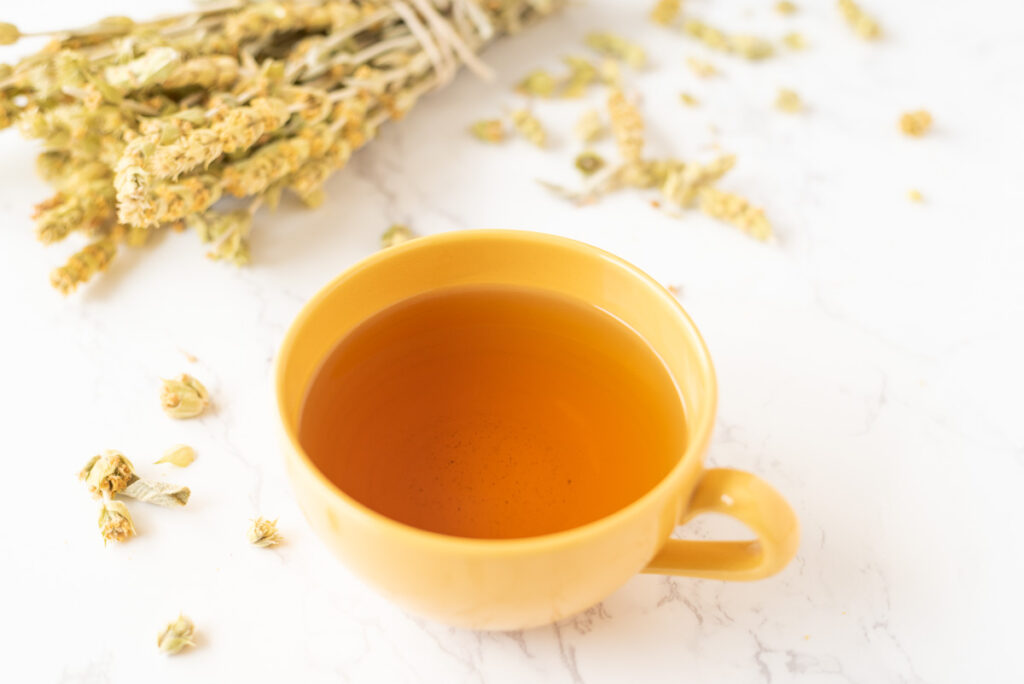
(696, 445)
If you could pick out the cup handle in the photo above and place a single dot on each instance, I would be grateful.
(751, 501)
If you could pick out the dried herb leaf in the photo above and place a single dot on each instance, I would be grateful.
(180, 455)
(157, 493)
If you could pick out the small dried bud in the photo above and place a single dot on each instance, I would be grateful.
(9, 34)
(665, 11)
(862, 24)
(590, 127)
(396, 235)
(263, 533)
(794, 41)
(539, 83)
(176, 636)
(788, 101)
(115, 522)
(108, 474)
(700, 67)
(489, 130)
(589, 163)
(581, 75)
(915, 196)
(180, 455)
(736, 210)
(785, 7)
(529, 127)
(916, 123)
(612, 45)
(184, 398)
(689, 100)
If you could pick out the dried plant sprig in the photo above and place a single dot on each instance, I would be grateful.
(863, 24)
(181, 455)
(751, 47)
(176, 636)
(736, 210)
(627, 126)
(396, 235)
(263, 533)
(244, 99)
(917, 123)
(115, 521)
(111, 473)
(183, 397)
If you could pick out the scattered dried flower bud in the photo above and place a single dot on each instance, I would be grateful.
(180, 455)
(665, 11)
(700, 67)
(184, 398)
(539, 83)
(529, 127)
(489, 131)
(916, 123)
(263, 533)
(794, 41)
(9, 34)
(862, 23)
(915, 196)
(612, 45)
(785, 7)
(108, 474)
(627, 125)
(589, 162)
(689, 100)
(590, 127)
(736, 210)
(581, 75)
(396, 235)
(176, 636)
(788, 101)
(115, 522)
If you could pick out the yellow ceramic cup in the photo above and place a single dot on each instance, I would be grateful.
(519, 583)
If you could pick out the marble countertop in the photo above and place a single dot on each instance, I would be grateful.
(869, 364)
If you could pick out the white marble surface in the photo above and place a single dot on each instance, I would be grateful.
(869, 365)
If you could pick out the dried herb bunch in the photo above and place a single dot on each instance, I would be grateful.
(146, 125)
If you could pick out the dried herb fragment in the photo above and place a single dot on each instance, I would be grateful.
(788, 101)
(589, 127)
(539, 83)
(529, 127)
(916, 124)
(158, 493)
(915, 195)
(115, 522)
(862, 23)
(180, 455)
(176, 636)
(489, 131)
(665, 11)
(263, 533)
(794, 41)
(785, 7)
(627, 126)
(396, 235)
(700, 67)
(615, 46)
(107, 474)
(588, 163)
(736, 210)
(689, 100)
(751, 47)
(184, 397)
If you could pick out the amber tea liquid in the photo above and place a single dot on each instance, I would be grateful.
(493, 412)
